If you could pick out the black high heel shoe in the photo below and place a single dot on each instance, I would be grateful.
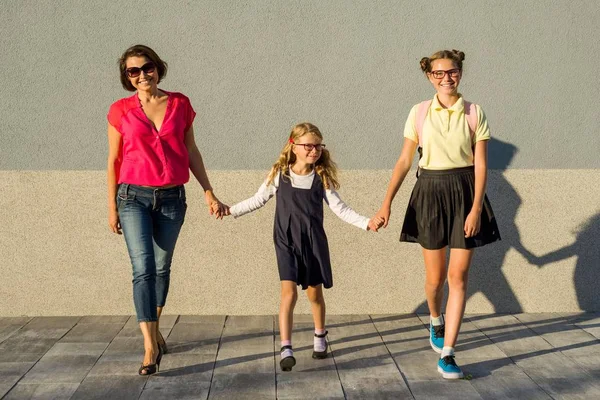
(160, 354)
(162, 343)
(151, 369)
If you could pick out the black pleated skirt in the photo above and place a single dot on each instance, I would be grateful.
(439, 204)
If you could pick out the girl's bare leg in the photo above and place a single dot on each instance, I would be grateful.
(458, 277)
(289, 295)
(435, 277)
(317, 304)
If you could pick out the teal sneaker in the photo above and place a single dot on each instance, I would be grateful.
(436, 337)
(448, 368)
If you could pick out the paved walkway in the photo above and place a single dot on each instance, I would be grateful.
(522, 356)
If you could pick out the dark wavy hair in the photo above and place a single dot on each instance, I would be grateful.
(139, 50)
(456, 56)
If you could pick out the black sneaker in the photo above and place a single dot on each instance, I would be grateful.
(287, 358)
(318, 351)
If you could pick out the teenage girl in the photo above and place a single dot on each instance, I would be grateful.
(448, 206)
(303, 176)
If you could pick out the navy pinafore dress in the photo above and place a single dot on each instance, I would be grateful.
(300, 241)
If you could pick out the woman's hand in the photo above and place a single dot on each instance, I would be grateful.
(220, 210)
(472, 224)
(113, 222)
(384, 215)
(215, 207)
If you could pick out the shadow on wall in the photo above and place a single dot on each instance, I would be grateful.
(587, 270)
(486, 274)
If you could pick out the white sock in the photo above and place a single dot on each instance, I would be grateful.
(287, 352)
(320, 343)
(447, 351)
(437, 321)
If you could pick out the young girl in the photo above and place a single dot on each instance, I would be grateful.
(448, 206)
(303, 176)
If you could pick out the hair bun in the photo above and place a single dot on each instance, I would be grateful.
(425, 64)
(459, 54)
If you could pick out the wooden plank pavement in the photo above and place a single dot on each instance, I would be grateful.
(520, 356)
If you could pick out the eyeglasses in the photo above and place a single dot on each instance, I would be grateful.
(134, 72)
(440, 73)
(309, 146)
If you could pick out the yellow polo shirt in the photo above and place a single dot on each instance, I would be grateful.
(446, 136)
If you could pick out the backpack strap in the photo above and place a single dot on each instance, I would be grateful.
(471, 115)
(420, 120)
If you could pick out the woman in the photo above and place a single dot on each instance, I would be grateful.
(151, 150)
(448, 206)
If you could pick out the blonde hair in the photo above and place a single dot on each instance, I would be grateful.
(324, 167)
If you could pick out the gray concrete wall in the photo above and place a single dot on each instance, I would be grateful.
(252, 70)
(58, 257)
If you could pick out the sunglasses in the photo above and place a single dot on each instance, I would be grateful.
(309, 146)
(440, 73)
(134, 72)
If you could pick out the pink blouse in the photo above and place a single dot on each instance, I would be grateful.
(151, 157)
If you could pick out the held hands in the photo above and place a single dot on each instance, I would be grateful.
(383, 217)
(472, 224)
(215, 207)
(219, 210)
(375, 223)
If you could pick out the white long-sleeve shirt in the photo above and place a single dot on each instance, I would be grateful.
(332, 198)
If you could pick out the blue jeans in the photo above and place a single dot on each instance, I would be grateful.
(151, 220)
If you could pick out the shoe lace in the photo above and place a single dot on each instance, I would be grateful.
(449, 360)
(439, 331)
